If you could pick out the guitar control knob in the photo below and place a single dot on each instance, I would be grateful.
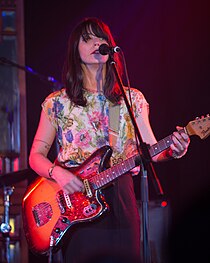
(64, 220)
(57, 230)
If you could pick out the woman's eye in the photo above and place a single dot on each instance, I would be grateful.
(86, 37)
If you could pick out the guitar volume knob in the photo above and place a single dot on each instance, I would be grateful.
(57, 230)
(64, 220)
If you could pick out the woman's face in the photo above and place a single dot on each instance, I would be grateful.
(88, 49)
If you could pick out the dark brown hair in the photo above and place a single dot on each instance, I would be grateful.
(72, 71)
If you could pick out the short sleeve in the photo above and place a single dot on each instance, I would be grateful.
(139, 102)
(53, 107)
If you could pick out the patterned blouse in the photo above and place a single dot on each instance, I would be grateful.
(82, 130)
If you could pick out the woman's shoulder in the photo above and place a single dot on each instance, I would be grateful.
(58, 94)
(134, 91)
(58, 97)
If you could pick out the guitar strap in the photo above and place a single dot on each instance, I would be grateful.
(114, 121)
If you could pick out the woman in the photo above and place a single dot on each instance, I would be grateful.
(79, 116)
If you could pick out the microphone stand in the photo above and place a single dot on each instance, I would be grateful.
(47, 79)
(146, 168)
(5, 227)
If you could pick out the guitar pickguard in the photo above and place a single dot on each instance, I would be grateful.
(83, 209)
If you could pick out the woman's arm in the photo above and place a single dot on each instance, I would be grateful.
(42, 143)
(180, 139)
(40, 163)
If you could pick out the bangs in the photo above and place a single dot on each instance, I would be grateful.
(98, 29)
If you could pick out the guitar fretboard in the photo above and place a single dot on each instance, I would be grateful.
(112, 173)
(160, 146)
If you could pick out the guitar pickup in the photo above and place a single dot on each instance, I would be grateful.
(67, 199)
(87, 188)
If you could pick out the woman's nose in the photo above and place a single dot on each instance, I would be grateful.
(97, 43)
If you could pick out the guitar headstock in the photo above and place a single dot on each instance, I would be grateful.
(199, 126)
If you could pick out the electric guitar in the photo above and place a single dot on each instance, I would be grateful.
(48, 212)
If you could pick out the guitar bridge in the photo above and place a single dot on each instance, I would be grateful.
(64, 201)
(42, 213)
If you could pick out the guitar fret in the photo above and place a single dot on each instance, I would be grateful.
(117, 169)
(160, 146)
(108, 175)
(108, 178)
(112, 173)
(101, 179)
(97, 180)
(105, 178)
(130, 163)
(167, 142)
(122, 168)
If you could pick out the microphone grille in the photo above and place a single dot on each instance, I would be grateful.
(104, 49)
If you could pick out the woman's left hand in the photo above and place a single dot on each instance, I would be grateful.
(180, 144)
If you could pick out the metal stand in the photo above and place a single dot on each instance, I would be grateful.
(5, 227)
(146, 168)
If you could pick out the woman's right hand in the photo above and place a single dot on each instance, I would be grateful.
(69, 182)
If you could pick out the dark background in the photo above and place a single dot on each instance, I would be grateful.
(167, 49)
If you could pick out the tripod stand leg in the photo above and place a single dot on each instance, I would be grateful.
(5, 227)
(7, 249)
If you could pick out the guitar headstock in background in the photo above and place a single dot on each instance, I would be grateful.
(200, 127)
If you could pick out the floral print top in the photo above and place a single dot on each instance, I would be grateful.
(82, 130)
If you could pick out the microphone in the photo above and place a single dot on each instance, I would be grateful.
(104, 49)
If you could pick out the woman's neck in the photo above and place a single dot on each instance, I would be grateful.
(94, 77)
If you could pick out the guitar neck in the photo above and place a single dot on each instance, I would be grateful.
(163, 144)
(160, 146)
(115, 171)
(107, 176)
